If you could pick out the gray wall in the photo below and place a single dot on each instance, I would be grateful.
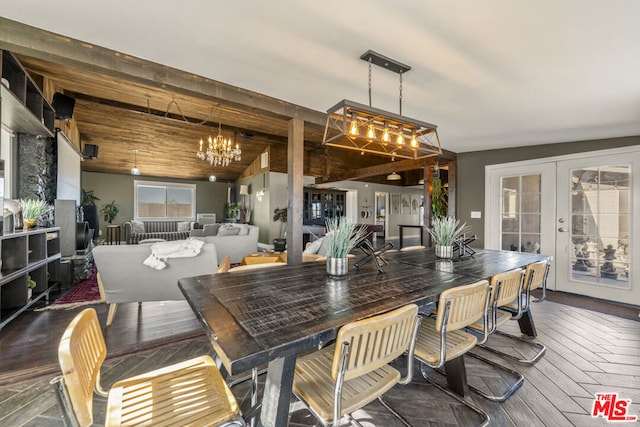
(471, 171)
(210, 196)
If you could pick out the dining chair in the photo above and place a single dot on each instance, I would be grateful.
(535, 278)
(192, 392)
(348, 375)
(412, 248)
(443, 342)
(505, 290)
(224, 265)
(241, 268)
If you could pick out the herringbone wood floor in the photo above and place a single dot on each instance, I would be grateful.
(588, 352)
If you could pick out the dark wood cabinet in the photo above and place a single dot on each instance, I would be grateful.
(24, 107)
(320, 204)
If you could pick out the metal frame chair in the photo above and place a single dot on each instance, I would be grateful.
(348, 375)
(535, 277)
(442, 341)
(192, 392)
(505, 289)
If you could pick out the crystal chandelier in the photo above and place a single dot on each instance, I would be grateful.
(219, 151)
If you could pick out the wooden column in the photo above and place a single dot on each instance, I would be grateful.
(428, 177)
(295, 163)
(452, 189)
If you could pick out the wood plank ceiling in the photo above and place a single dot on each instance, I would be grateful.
(164, 125)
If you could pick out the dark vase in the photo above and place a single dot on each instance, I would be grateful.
(90, 214)
(279, 244)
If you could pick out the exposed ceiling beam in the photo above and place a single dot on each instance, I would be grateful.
(24, 39)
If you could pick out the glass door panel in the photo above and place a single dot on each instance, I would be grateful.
(520, 213)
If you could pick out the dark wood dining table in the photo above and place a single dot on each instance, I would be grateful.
(270, 316)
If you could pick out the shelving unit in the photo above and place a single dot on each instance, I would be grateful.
(320, 204)
(36, 254)
(24, 107)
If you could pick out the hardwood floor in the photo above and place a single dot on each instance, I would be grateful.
(587, 352)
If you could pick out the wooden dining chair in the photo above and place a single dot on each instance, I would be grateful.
(443, 342)
(535, 278)
(241, 268)
(224, 265)
(345, 376)
(192, 392)
(505, 290)
(412, 248)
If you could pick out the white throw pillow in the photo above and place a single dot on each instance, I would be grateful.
(324, 247)
(137, 227)
(210, 229)
(184, 226)
(244, 230)
(228, 231)
(313, 247)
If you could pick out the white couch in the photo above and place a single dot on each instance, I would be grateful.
(241, 241)
(124, 278)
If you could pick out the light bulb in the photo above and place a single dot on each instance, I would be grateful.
(212, 178)
(135, 171)
(354, 125)
(414, 140)
(371, 131)
(400, 138)
(385, 134)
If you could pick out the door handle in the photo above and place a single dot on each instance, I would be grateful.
(562, 229)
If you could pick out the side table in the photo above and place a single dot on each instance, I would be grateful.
(113, 234)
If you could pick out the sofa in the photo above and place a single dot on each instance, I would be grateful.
(234, 240)
(123, 277)
(136, 231)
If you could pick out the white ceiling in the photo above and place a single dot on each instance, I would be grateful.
(489, 73)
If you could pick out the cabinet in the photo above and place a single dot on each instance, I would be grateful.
(320, 204)
(24, 107)
(31, 254)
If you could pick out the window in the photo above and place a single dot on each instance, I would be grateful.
(164, 200)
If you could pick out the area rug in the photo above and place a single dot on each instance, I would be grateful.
(85, 292)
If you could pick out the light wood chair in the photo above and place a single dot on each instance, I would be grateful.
(354, 371)
(535, 278)
(443, 342)
(505, 290)
(412, 248)
(188, 393)
(224, 265)
(241, 268)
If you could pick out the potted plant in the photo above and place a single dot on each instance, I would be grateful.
(31, 284)
(342, 237)
(32, 210)
(439, 203)
(280, 243)
(445, 230)
(89, 209)
(231, 212)
(110, 211)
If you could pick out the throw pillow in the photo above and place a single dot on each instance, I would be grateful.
(210, 229)
(244, 230)
(228, 231)
(313, 247)
(184, 226)
(324, 247)
(137, 227)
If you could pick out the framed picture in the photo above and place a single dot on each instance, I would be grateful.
(415, 204)
(405, 209)
(395, 204)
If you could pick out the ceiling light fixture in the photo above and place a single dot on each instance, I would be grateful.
(393, 177)
(134, 169)
(220, 151)
(346, 118)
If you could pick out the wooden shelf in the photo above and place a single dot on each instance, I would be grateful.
(34, 253)
(24, 107)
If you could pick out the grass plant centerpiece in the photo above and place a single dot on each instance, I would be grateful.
(446, 230)
(32, 210)
(342, 237)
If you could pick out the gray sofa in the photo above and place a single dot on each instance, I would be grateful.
(166, 230)
(124, 278)
(241, 240)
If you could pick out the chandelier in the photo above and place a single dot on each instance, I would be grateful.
(219, 150)
(363, 128)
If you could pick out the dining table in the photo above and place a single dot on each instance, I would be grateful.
(270, 316)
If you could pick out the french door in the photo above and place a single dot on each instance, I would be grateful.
(596, 239)
(580, 210)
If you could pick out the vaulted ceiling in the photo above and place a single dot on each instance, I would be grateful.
(491, 74)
